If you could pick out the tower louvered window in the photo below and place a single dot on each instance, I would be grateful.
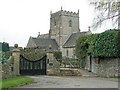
(70, 23)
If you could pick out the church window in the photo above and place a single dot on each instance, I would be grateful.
(67, 53)
(70, 23)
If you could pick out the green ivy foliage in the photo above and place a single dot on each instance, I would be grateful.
(107, 44)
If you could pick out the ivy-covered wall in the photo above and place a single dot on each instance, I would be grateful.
(105, 47)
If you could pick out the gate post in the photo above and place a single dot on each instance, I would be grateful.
(16, 56)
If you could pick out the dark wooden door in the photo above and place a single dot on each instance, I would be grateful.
(28, 67)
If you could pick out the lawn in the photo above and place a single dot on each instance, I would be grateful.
(116, 77)
(15, 82)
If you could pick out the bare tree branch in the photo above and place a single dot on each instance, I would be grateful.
(106, 10)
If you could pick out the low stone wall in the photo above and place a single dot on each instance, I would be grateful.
(106, 66)
(11, 66)
(6, 70)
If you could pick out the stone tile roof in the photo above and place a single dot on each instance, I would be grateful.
(43, 36)
(45, 42)
(72, 39)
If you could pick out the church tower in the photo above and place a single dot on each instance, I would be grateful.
(62, 25)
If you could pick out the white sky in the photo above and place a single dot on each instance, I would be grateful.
(20, 19)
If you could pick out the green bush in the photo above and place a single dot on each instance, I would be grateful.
(107, 44)
(84, 45)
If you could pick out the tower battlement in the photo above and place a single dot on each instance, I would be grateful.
(65, 13)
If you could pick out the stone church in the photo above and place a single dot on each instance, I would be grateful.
(64, 30)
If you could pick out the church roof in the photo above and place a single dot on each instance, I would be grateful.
(72, 39)
(45, 42)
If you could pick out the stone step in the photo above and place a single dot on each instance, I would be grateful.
(69, 72)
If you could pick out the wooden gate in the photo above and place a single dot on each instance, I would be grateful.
(28, 67)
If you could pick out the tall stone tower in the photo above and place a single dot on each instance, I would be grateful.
(62, 25)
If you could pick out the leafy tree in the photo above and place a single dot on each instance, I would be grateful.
(84, 45)
(106, 10)
(83, 48)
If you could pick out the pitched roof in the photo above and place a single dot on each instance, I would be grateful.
(43, 36)
(72, 39)
(45, 42)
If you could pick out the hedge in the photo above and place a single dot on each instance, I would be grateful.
(107, 44)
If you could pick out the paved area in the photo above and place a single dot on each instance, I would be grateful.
(86, 73)
(71, 82)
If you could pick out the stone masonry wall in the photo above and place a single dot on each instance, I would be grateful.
(106, 67)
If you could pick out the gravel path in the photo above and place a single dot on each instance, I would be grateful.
(71, 82)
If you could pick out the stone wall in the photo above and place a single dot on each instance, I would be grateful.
(6, 71)
(11, 67)
(104, 66)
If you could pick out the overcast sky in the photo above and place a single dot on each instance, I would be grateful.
(20, 19)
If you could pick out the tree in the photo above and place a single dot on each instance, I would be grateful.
(106, 10)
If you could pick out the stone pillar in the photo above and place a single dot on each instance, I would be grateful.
(50, 57)
(16, 56)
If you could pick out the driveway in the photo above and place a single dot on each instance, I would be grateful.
(71, 82)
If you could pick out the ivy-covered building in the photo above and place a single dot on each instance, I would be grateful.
(100, 53)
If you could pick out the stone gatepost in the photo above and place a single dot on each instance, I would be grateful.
(52, 64)
(16, 56)
(50, 57)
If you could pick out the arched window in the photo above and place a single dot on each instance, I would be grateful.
(70, 23)
(67, 53)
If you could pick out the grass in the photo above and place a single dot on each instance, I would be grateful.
(14, 82)
(115, 76)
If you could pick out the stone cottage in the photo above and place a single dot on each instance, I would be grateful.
(64, 30)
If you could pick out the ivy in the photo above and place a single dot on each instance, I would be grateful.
(107, 44)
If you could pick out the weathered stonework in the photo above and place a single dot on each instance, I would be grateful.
(104, 67)
(16, 55)
(53, 66)
(60, 30)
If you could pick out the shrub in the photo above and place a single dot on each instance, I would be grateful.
(84, 45)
